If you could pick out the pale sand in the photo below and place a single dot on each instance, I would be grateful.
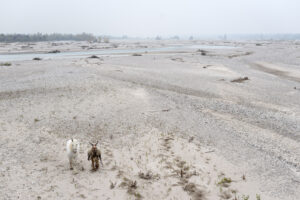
(174, 115)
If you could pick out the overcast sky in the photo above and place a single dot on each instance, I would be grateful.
(150, 17)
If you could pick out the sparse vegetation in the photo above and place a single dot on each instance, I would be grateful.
(225, 182)
(258, 197)
(136, 194)
(136, 54)
(148, 175)
(245, 197)
(191, 139)
(225, 195)
(192, 189)
(131, 187)
(45, 37)
(5, 64)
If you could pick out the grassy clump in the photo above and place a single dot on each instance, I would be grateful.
(5, 64)
(131, 187)
(225, 182)
(258, 197)
(245, 197)
(136, 54)
(146, 176)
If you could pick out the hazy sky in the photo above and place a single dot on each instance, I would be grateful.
(150, 17)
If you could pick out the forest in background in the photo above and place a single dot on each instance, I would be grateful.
(39, 37)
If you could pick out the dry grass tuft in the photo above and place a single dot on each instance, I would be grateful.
(225, 182)
(195, 192)
(190, 187)
(148, 176)
(131, 187)
(225, 195)
(245, 197)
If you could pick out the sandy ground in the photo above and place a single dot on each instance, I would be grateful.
(171, 125)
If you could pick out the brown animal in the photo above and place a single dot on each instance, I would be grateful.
(94, 154)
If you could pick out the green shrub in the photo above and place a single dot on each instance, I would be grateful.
(5, 64)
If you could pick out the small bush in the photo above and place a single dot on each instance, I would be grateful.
(5, 64)
(148, 176)
(37, 58)
(225, 182)
(136, 54)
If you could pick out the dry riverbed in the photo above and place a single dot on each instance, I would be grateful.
(217, 123)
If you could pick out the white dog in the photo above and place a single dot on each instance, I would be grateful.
(72, 151)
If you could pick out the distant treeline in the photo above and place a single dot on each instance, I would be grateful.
(45, 37)
(263, 36)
